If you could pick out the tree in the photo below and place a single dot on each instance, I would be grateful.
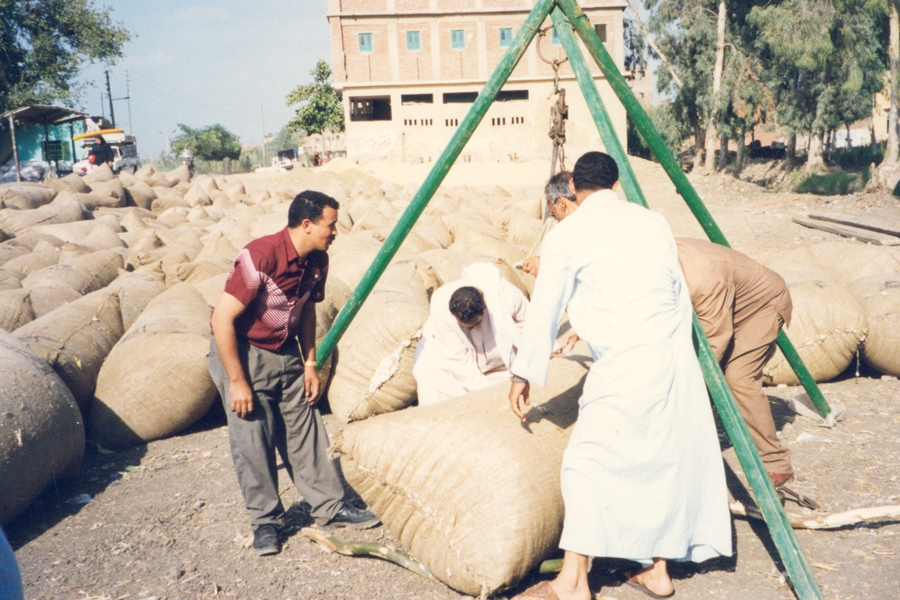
(321, 106)
(887, 175)
(712, 128)
(46, 44)
(635, 47)
(685, 31)
(213, 143)
(632, 39)
(283, 140)
(824, 60)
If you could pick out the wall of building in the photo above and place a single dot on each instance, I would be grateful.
(410, 69)
(510, 130)
(28, 139)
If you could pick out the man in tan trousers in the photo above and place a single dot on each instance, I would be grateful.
(741, 306)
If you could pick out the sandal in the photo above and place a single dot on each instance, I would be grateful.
(541, 591)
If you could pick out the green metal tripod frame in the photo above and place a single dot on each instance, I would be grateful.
(567, 15)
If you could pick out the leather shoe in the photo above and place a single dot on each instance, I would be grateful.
(354, 518)
(779, 479)
(265, 540)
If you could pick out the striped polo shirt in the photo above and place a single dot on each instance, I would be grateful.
(271, 280)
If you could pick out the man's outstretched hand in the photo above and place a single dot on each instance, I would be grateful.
(570, 343)
(518, 396)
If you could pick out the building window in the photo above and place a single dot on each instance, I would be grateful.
(376, 108)
(458, 39)
(505, 37)
(460, 97)
(417, 99)
(365, 42)
(554, 38)
(507, 95)
(413, 41)
(600, 30)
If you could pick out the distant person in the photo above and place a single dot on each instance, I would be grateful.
(267, 378)
(186, 157)
(102, 153)
(471, 335)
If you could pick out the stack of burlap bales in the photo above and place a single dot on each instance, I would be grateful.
(845, 302)
(107, 284)
(97, 291)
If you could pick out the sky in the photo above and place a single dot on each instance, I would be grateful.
(199, 63)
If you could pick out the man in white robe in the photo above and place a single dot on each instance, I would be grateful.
(470, 337)
(642, 477)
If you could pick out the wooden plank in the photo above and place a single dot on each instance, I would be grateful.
(887, 226)
(863, 235)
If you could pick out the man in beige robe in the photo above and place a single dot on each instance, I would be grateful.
(741, 306)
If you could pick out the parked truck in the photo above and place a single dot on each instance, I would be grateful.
(124, 147)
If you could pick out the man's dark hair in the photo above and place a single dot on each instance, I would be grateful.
(595, 171)
(467, 304)
(309, 205)
(559, 186)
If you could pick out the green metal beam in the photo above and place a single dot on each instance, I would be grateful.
(780, 529)
(642, 121)
(409, 217)
(595, 105)
(803, 374)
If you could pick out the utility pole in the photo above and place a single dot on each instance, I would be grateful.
(128, 97)
(112, 114)
(262, 122)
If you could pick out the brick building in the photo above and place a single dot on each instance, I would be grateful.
(409, 71)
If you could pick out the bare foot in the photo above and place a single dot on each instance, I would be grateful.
(655, 578)
(554, 590)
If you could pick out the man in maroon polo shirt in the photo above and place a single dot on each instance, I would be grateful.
(268, 381)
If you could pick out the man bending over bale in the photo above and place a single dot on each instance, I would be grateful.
(741, 306)
(268, 382)
(471, 335)
(642, 477)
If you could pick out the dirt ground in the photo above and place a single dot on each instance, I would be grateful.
(165, 521)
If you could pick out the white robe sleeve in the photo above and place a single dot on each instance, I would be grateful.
(516, 301)
(552, 292)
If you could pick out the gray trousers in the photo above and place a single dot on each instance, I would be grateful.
(282, 419)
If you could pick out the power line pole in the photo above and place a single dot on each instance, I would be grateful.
(112, 114)
(262, 122)
(128, 97)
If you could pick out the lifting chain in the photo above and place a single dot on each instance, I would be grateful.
(559, 113)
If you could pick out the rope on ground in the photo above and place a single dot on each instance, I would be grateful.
(360, 548)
